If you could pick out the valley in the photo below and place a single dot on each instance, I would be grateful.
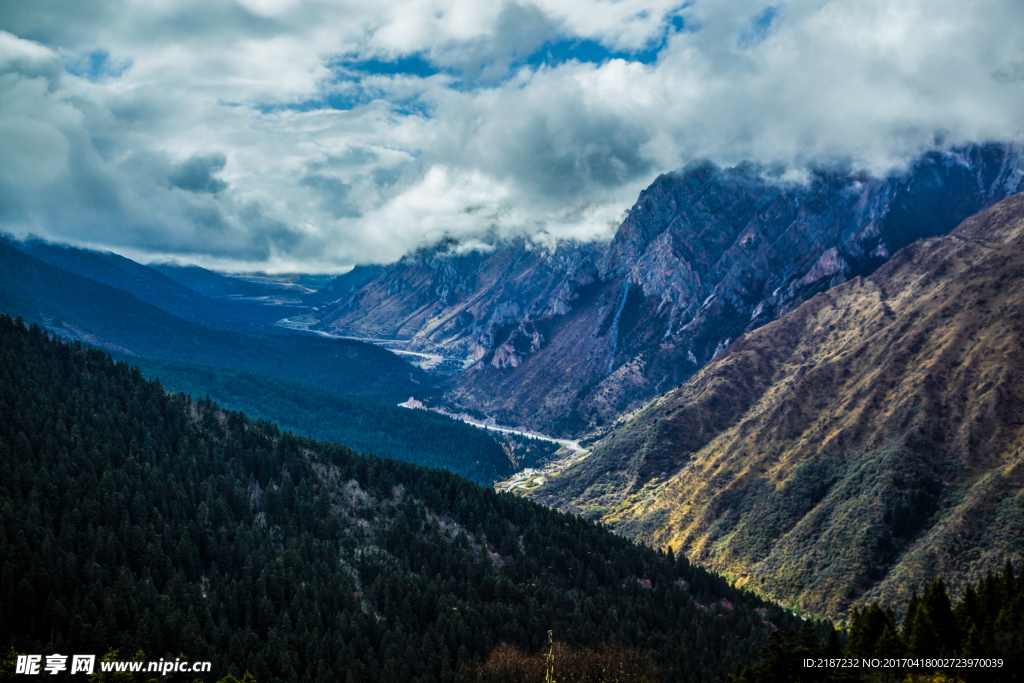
(425, 361)
(689, 469)
(716, 404)
(490, 425)
(824, 439)
(603, 341)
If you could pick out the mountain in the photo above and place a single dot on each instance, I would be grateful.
(156, 287)
(346, 284)
(567, 339)
(80, 308)
(867, 440)
(136, 520)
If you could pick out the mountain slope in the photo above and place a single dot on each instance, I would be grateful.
(864, 441)
(566, 340)
(81, 308)
(131, 518)
(154, 287)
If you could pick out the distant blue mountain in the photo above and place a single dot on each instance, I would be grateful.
(217, 285)
(175, 295)
(80, 308)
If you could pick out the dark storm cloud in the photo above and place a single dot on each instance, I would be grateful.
(566, 152)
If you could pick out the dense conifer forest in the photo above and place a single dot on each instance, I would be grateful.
(934, 642)
(362, 424)
(138, 520)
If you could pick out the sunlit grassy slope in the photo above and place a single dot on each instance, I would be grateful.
(849, 450)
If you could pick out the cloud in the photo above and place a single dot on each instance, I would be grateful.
(333, 195)
(312, 135)
(196, 174)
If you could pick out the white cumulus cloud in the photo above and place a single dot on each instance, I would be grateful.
(311, 135)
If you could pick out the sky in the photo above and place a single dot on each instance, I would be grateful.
(286, 135)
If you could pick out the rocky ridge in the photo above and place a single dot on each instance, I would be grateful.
(568, 340)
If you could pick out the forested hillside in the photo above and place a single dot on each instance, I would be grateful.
(363, 425)
(131, 518)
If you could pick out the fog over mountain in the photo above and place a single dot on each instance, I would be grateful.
(252, 134)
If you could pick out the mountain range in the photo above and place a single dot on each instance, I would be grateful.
(846, 452)
(836, 369)
(569, 339)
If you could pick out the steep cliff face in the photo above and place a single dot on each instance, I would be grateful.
(866, 440)
(567, 341)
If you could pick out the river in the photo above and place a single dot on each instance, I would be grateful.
(565, 443)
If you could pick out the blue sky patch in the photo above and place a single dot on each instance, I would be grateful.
(413, 65)
(759, 28)
(341, 101)
(96, 66)
(589, 51)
